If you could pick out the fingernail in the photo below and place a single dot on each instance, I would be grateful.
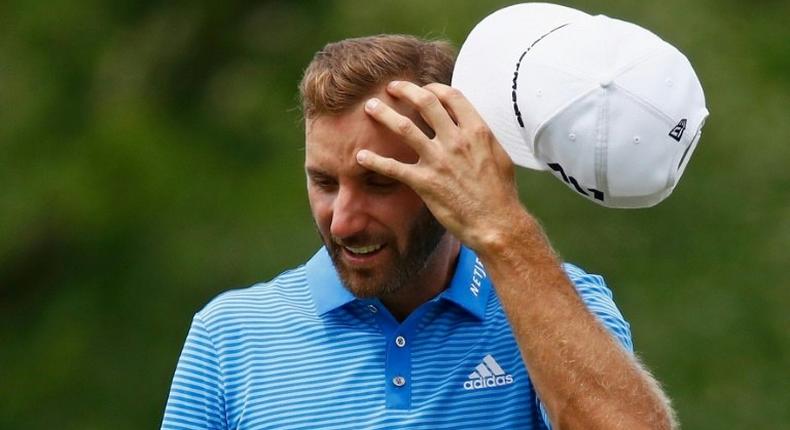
(372, 103)
(362, 155)
(393, 84)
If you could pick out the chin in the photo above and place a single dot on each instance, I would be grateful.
(366, 284)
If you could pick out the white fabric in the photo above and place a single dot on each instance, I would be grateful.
(598, 99)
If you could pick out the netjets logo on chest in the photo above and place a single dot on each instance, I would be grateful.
(487, 374)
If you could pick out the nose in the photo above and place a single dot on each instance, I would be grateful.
(349, 216)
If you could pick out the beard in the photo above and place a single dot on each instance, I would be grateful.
(401, 271)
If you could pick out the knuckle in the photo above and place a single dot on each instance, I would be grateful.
(404, 126)
(438, 88)
(460, 144)
(395, 168)
(425, 100)
(480, 130)
(388, 167)
(443, 170)
(433, 86)
(465, 145)
(425, 180)
(453, 93)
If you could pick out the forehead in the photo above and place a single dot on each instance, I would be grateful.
(332, 141)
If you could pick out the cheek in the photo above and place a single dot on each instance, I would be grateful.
(321, 208)
(403, 210)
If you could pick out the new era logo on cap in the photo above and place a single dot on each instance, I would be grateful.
(677, 131)
(589, 98)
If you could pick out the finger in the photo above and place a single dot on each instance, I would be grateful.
(457, 104)
(426, 103)
(468, 118)
(399, 124)
(390, 167)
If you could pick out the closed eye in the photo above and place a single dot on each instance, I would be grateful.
(382, 182)
(324, 184)
(321, 180)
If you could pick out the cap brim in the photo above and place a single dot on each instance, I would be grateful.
(484, 70)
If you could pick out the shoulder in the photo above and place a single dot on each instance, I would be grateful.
(586, 283)
(285, 294)
(591, 287)
(599, 300)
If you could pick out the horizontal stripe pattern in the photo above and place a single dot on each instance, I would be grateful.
(262, 357)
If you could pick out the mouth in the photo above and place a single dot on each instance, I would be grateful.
(362, 254)
(363, 250)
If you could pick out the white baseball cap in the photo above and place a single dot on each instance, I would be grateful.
(610, 108)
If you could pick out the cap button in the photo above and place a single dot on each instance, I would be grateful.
(606, 82)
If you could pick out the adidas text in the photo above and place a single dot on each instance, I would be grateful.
(492, 381)
(487, 374)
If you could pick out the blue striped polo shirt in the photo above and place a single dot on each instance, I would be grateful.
(300, 351)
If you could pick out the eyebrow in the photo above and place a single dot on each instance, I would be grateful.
(314, 171)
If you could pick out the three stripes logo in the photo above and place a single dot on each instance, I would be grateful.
(487, 374)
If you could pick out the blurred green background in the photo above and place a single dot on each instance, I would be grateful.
(150, 158)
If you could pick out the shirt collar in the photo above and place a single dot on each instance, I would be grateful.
(469, 287)
(325, 286)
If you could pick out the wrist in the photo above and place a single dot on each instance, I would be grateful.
(516, 230)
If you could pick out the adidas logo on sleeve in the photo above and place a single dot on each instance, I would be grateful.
(487, 374)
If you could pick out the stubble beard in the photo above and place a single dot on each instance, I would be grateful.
(403, 270)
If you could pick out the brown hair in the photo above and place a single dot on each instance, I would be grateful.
(343, 73)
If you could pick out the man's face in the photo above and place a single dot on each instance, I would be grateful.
(377, 230)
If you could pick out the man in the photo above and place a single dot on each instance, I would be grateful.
(437, 301)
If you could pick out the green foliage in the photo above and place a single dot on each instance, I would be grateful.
(150, 158)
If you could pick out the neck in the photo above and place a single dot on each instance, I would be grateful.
(434, 279)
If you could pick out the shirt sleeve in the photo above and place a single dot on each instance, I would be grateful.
(598, 298)
(196, 399)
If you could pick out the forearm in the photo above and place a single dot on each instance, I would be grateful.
(583, 376)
